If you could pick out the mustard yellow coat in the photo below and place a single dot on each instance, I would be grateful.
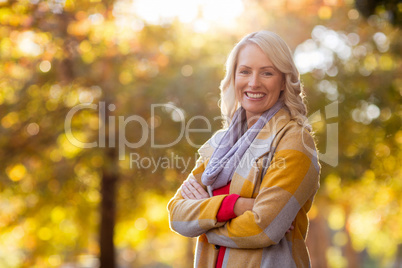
(284, 195)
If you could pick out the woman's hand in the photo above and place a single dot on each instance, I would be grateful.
(291, 228)
(191, 189)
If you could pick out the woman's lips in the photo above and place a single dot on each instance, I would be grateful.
(254, 95)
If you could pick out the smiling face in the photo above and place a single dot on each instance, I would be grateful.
(258, 83)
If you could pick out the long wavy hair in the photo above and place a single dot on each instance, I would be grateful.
(280, 55)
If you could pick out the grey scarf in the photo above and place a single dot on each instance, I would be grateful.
(232, 147)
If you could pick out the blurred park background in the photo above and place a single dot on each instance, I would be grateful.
(79, 134)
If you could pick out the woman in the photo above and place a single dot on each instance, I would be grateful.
(248, 196)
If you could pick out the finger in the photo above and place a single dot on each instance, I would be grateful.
(290, 229)
(193, 190)
(184, 194)
(189, 194)
(192, 187)
(198, 187)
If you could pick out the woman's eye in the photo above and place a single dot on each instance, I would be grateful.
(267, 74)
(244, 72)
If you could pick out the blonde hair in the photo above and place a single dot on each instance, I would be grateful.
(280, 55)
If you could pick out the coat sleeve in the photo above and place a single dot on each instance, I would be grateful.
(290, 182)
(192, 218)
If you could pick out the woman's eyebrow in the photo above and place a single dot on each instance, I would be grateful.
(268, 67)
(264, 67)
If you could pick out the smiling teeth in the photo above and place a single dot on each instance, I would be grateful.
(255, 96)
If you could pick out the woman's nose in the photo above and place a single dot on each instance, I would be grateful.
(254, 81)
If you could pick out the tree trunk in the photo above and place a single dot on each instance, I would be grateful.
(110, 174)
(318, 242)
(108, 211)
(398, 257)
(110, 178)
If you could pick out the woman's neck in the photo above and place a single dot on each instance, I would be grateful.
(252, 119)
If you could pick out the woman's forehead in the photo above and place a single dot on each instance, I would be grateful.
(252, 54)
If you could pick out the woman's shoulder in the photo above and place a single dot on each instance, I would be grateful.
(294, 136)
(284, 125)
(298, 131)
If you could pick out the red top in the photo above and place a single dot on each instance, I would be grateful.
(225, 213)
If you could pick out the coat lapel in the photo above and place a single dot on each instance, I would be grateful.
(246, 175)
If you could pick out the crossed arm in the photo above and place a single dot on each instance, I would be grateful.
(191, 189)
(258, 222)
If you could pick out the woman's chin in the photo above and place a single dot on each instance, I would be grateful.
(255, 109)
